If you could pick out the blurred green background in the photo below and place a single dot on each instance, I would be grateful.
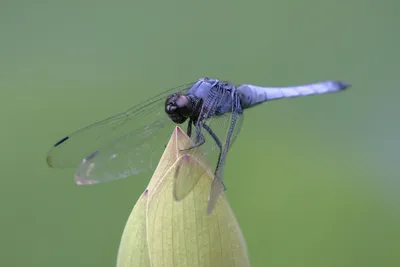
(313, 181)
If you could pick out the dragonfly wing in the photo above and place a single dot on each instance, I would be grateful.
(120, 146)
(217, 186)
(219, 130)
(131, 154)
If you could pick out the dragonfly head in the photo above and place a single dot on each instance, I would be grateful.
(179, 107)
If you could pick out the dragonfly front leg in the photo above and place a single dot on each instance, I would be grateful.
(200, 139)
(189, 128)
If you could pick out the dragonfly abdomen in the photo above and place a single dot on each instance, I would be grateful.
(251, 95)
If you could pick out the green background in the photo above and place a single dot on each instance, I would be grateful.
(313, 181)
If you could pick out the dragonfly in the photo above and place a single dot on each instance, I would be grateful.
(132, 142)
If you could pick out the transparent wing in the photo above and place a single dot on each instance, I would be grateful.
(217, 186)
(120, 146)
(228, 126)
(219, 131)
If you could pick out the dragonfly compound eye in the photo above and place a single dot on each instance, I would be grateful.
(173, 108)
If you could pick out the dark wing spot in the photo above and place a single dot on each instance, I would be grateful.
(62, 141)
(91, 156)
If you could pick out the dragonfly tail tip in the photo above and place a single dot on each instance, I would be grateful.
(343, 85)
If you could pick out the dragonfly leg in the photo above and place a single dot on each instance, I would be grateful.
(216, 139)
(219, 144)
(200, 140)
(189, 128)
